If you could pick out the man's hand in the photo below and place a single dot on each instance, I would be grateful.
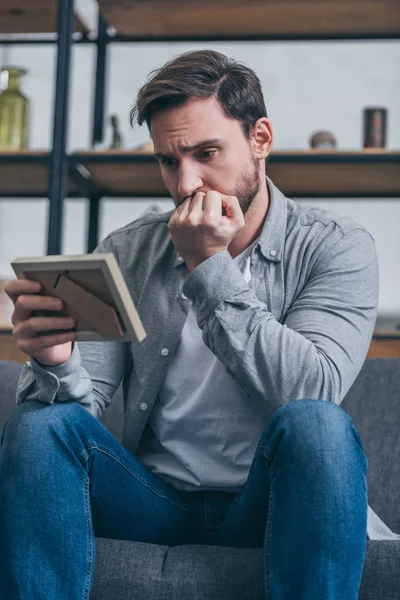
(47, 339)
(199, 229)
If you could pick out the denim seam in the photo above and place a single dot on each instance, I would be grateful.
(357, 437)
(267, 574)
(106, 451)
(243, 486)
(265, 452)
(89, 564)
(364, 459)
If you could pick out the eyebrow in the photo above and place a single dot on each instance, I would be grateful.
(188, 149)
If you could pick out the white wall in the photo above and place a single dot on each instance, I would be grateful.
(307, 86)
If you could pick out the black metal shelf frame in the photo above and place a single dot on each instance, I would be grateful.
(62, 166)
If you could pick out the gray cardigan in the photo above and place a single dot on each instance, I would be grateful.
(302, 330)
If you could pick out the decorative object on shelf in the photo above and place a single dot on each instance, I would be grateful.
(323, 139)
(147, 148)
(116, 141)
(14, 110)
(375, 120)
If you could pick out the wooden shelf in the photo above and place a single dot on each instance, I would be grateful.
(123, 173)
(28, 16)
(300, 174)
(25, 173)
(253, 18)
(369, 174)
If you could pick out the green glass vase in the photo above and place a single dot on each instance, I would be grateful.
(14, 111)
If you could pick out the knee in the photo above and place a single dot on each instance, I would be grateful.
(32, 423)
(314, 425)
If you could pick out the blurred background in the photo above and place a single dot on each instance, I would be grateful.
(72, 169)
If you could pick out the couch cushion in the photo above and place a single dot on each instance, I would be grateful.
(373, 403)
(131, 570)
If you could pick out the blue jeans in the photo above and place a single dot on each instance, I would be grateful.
(65, 479)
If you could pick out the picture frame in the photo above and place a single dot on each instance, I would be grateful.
(93, 291)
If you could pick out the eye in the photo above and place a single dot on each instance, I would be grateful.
(168, 162)
(208, 153)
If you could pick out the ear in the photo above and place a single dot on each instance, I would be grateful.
(262, 138)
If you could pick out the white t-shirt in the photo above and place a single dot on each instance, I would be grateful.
(205, 428)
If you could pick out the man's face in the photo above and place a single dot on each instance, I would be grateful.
(200, 149)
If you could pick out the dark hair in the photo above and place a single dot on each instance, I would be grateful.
(202, 74)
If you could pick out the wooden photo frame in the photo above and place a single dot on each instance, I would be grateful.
(93, 291)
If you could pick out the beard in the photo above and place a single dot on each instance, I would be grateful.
(248, 186)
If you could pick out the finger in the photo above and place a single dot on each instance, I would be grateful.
(182, 209)
(195, 208)
(212, 206)
(34, 345)
(232, 208)
(35, 325)
(25, 304)
(21, 286)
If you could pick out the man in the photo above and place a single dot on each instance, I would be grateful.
(259, 313)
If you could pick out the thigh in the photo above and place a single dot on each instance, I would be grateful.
(244, 522)
(75, 456)
(130, 502)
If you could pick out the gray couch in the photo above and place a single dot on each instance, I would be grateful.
(131, 571)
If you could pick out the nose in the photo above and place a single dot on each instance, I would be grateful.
(190, 180)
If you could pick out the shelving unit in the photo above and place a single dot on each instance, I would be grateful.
(96, 174)
(253, 19)
(39, 16)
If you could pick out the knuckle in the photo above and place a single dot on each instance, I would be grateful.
(34, 346)
(49, 303)
(24, 345)
(20, 301)
(208, 221)
(34, 323)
